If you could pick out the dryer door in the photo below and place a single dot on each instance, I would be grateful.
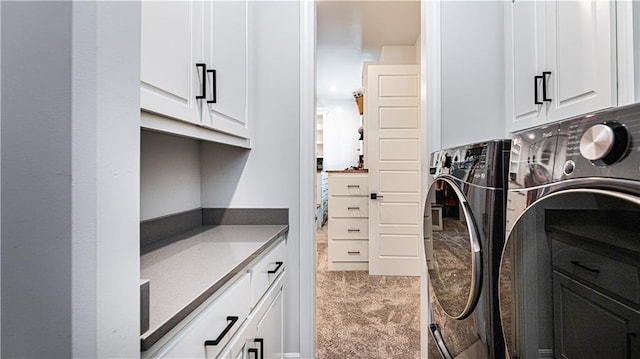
(570, 277)
(453, 249)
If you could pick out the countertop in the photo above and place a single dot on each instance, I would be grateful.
(348, 171)
(185, 273)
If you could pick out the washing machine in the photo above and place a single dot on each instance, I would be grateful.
(569, 281)
(464, 237)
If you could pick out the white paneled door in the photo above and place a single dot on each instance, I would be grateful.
(393, 139)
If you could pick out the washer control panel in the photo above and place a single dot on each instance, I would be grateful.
(602, 144)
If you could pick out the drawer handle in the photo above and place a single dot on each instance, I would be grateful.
(353, 252)
(353, 186)
(254, 351)
(577, 264)
(353, 230)
(278, 265)
(353, 208)
(232, 320)
(260, 341)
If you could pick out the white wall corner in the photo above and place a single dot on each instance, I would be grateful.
(307, 181)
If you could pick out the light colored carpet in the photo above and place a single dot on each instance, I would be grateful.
(363, 316)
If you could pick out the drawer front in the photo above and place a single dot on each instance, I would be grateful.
(607, 273)
(349, 251)
(346, 228)
(354, 207)
(211, 323)
(349, 185)
(262, 273)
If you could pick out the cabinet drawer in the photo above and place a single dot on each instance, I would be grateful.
(345, 228)
(266, 270)
(357, 207)
(349, 185)
(209, 324)
(349, 251)
(607, 273)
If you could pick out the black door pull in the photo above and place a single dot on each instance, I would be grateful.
(544, 86)
(214, 95)
(203, 93)
(232, 320)
(253, 351)
(535, 89)
(376, 196)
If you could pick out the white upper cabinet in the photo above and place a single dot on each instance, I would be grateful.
(171, 47)
(194, 69)
(226, 44)
(561, 60)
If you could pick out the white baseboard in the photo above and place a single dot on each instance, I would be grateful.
(291, 355)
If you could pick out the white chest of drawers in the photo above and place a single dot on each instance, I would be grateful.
(348, 221)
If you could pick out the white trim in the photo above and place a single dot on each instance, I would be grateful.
(432, 13)
(625, 42)
(307, 179)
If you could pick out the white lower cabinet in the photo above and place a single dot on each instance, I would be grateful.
(244, 321)
(262, 336)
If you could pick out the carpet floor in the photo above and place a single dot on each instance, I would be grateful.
(363, 316)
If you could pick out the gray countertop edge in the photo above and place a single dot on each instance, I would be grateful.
(148, 339)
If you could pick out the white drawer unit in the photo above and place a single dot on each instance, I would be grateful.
(348, 221)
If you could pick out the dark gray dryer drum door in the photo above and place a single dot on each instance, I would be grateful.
(452, 249)
(570, 277)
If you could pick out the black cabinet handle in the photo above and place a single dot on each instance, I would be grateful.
(353, 252)
(352, 208)
(535, 90)
(278, 265)
(214, 95)
(544, 86)
(353, 230)
(254, 351)
(203, 94)
(232, 320)
(260, 341)
(578, 264)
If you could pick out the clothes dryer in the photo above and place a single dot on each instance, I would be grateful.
(464, 236)
(570, 272)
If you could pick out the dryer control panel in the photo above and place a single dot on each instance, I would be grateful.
(481, 163)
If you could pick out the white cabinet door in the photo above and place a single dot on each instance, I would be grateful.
(560, 60)
(171, 47)
(581, 56)
(525, 59)
(269, 330)
(226, 44)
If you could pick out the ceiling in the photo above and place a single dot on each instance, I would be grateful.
(350, 32)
